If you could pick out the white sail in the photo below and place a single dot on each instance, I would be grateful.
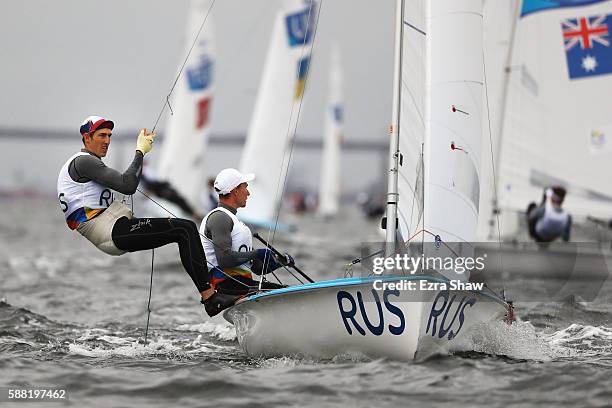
(558, 129)
(413, 117)
(453, 143)
(181, 161)
(329, 192)
(440, 125)
(440, 121)
(275, 114)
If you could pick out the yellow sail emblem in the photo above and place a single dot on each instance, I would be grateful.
(302, 72)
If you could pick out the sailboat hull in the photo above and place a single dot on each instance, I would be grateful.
(350, 316)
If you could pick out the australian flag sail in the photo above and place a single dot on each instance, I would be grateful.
(532, 6)
(587, 45)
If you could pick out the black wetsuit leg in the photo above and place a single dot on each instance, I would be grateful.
(243, 286)
(531, 222)
(138, 234)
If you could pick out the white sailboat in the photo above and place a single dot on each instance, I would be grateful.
(437, 110)
(554, 124)
(181, 160)
(329, 192)
(275, 114)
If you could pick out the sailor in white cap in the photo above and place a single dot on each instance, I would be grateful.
(228, 242)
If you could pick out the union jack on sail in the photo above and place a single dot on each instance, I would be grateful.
(587, 45)
(586, 31)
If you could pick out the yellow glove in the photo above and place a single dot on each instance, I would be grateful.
(145, 141)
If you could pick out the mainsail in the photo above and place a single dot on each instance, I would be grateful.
(413, 117)
(440, 124)
(453, 142)
(329, 193)
(181, 162)
(440, 119)
(275, 114)
(558, 128)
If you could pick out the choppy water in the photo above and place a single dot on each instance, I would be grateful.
(74, 318)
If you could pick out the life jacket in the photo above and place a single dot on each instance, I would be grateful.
(90, 209)
(553, 223)
(242, 241)
(81, 202)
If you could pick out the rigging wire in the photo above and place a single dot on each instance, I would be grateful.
(290, 135)
(178, 76)
(415, 192)
(149, 302)
(201, 235)
(167, 104)
(209, 264)
(499, 241)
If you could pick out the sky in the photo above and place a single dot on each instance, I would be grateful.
(67, 59)
(64, 60)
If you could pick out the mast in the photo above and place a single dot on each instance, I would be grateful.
(394, 153)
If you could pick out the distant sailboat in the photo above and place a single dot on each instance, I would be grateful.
(275, 115)
(556, 127)
(433, 192)
(181, 160)
(329, 192)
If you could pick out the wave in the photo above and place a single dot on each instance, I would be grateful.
(222, 331)
(108, 346)
(172, 344)
(584, 340)
(519, 341)
(19, 317)
(523, 341)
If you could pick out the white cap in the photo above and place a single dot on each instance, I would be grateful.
(229, 179)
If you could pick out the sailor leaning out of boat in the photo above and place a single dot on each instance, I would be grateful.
(228, 242)
(85, 189)
(548, 221)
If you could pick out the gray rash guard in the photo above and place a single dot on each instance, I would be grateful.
(219, 229)
(86, 168)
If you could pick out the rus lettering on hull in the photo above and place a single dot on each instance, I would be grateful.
(356, 318)
(447, 315)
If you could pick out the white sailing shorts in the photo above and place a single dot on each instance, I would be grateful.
(99, 230)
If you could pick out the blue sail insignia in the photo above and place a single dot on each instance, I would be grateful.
(299, 26)
(533, 6)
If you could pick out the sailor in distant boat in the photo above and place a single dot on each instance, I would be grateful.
(228, 242)
(548, 221)
(85, 191)
(165, 190)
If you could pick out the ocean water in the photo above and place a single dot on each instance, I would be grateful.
(74, 318)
